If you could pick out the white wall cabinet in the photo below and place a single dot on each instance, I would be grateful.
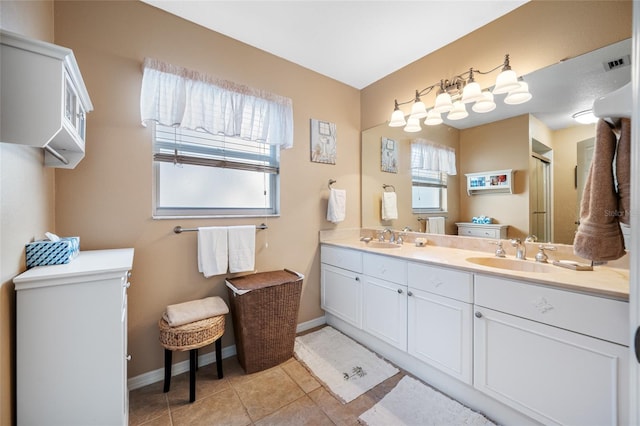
(72, 341)
(44, 100)
(528, 355)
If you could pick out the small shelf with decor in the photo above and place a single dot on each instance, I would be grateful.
(492, 182)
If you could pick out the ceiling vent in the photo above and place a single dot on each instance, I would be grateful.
(621, 62)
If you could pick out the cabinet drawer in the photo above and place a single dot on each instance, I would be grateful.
(341, 257)
(386, 268)
(479, 232)
(443, 281)
(599, 317)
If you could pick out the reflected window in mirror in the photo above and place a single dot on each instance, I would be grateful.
(428, 191)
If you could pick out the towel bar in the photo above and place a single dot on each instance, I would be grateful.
(179, 229)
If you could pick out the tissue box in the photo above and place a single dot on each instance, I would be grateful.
(45, 252)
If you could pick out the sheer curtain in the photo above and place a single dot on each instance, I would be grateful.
(178, 97)
(427, 155)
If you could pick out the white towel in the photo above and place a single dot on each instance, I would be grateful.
(212, 250)
(336, 209)
(436, 225)
(195, 310)
(242, 248)
(389, 206)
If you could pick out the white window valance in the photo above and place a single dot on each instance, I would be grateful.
(178, 97)
(427, 155)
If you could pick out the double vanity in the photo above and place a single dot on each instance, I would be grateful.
(517, 340)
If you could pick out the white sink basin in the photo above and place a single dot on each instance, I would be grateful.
(382, 244)
(511, 264)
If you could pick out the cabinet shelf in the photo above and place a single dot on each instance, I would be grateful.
(492, 182)
(44, 99)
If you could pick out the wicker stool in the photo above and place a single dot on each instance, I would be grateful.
(191, 337)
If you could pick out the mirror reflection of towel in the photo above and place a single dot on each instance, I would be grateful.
(336, 209)
(436, 225)
(389, 206)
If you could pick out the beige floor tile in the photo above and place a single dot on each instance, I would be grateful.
(207, 384)
(301, 412)
(222, 408)
(147, 403)
(163, 420)
(301, 375)
(267, 392)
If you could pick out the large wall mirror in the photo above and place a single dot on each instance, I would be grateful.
(539, 140)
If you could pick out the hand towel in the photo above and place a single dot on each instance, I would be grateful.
(599, 237)
(242, 248)
(212, 250)
(195, 310)
(389, 206)
(337, 206)
(623, 171)
(436, 225)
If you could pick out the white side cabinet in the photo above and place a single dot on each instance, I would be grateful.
(384, 295)
(72, 341)
(341, 283)
(440, 323)
(551, 353)
(44, 99)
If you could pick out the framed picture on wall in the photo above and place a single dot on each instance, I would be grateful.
(389, 156)
(323, 142)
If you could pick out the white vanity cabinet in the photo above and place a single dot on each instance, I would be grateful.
(341, 283)
(555, 355)
(71, 341)
(440, 323)
(44, 99)
(384, 299)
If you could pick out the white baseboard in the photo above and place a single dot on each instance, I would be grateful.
(154, 376)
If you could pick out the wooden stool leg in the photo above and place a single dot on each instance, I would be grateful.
(167, 370)
(219, 357)
(193, 361)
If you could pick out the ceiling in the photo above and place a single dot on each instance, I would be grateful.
(358, 42)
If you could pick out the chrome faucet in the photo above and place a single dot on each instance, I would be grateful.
(521, 248)
(392, 236)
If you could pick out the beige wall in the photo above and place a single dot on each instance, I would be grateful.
(26, 202)
(478, 146)
(106, 200)
(537, 34)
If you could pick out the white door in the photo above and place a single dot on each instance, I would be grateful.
(341, 292)
(584, 156)
(440, 333)
(384, 311)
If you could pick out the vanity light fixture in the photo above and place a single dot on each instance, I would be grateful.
(455, 94)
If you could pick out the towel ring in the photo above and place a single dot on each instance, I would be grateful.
(331, 182)
(385, 186)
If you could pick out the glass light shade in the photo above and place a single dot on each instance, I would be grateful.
(506, 81)
(486, 104)
(458, 112)
(585, 117)
(433, 118)
(418, 110)
(397, 119)
(443, 103)
(413, 125)
(519, 95)
(471, 93)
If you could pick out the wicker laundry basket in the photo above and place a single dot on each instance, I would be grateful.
(264, 308)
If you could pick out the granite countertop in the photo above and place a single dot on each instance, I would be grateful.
(603, 281)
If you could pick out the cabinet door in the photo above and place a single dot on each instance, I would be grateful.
(553, 375)
(341, 294)
(440, 333)
(384, 311)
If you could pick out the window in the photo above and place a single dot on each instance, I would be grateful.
(428, 191)
(200, 174)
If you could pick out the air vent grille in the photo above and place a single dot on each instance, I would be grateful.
(616, 63)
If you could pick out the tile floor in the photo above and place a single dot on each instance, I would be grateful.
(283, 395)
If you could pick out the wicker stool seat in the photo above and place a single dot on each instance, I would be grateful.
(190, 337)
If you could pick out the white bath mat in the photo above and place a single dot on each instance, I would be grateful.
(414, 403)
(344, 366)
